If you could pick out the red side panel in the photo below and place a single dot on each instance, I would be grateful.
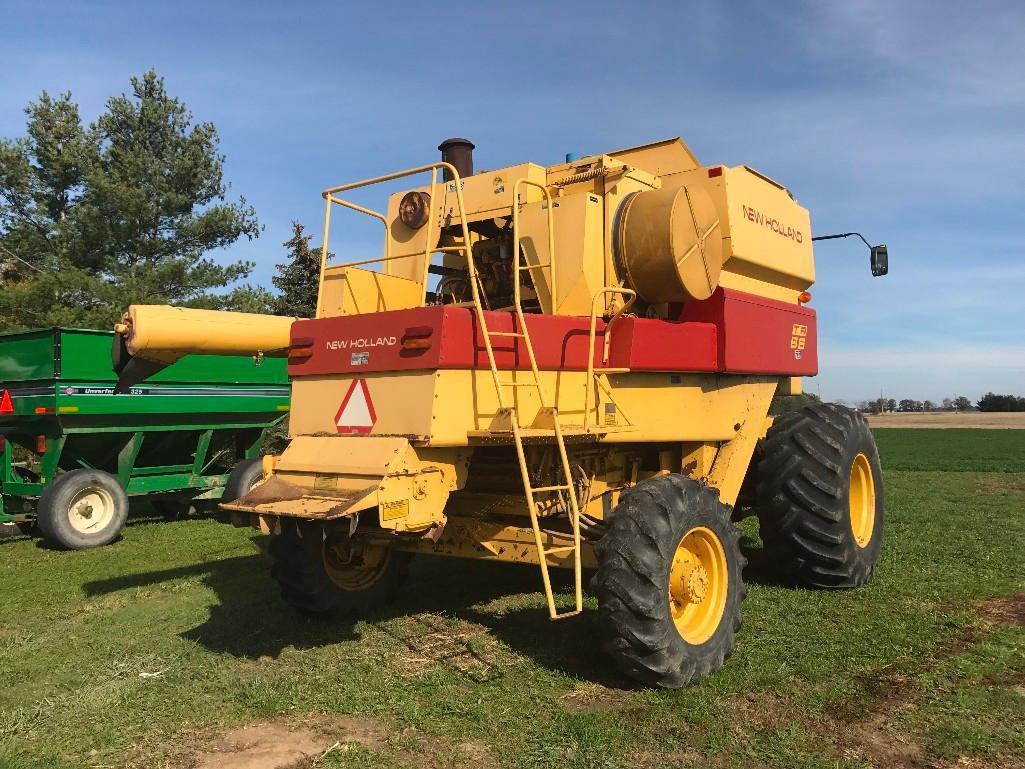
(560, 342)
(371, 342)
(759, 335)
(643, 344)
(448, 337)
(731, 332)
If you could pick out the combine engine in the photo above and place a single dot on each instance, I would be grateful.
(569, 367)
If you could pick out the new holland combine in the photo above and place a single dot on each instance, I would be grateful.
(570, 367)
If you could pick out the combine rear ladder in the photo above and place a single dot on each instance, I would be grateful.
(546, 425)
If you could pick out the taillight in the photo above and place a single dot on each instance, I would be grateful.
(417, 338)
(40, 444)
(300, 349)
(714, 172)
(804, 297)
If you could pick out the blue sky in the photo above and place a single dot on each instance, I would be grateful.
(905, 121)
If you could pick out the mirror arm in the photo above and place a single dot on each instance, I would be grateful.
(844, 235)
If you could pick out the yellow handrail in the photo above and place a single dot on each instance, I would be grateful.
(592, 337)
(330, 197)
(516, 243)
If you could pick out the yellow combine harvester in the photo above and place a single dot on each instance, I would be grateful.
(567, 367)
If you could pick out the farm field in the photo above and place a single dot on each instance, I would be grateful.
(945, 420)
(172, 649)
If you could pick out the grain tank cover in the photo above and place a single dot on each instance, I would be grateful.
(668, 242)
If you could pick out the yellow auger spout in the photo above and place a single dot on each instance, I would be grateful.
(152, 337)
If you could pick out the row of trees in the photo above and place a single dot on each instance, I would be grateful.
(125, 210)
(884, 405)
(988, 402)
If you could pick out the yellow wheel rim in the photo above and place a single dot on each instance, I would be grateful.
(354, 566)
(862, 498)
(698, 585)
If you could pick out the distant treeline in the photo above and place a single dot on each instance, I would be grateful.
(994, 402)
(988, 402)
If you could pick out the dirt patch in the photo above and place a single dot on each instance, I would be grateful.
(431, 641)
(300, 744)
(761, 709)
(947, 419)
(1007, 485)
(1004, 611)
(858, 726)
(593, 699)
(680, 758)
(277, 745)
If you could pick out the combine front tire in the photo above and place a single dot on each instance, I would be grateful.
(669, 582)
(82, 509)
(819, 496)
(333, 574)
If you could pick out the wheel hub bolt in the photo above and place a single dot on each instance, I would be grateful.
(695, 583)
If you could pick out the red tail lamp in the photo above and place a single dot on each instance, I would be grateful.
(804, 297)
(300, 349)
(40, 444)
(714, 172)
(417, 338)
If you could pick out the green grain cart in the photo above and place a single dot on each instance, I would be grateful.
(73, 451)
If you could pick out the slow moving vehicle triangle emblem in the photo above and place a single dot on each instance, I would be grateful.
(356, 415)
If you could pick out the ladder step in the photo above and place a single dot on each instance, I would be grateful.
(535, 266)
(560, 487)
(560, 549)
(505, 333)
(611, 371)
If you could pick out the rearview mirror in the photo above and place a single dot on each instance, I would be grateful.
(880, 261)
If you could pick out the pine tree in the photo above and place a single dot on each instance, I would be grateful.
(126, 211)
(298, 277)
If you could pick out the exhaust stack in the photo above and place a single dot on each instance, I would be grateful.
(458, 152)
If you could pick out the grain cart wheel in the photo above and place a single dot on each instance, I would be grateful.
(819, 496)
(246, 474)
(82, 509)
(669, 582)
(334, 574)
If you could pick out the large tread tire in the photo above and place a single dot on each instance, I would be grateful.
(297, 558)
(803, 486)
(635, 558)
(56, 512)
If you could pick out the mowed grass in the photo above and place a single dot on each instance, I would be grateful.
(141, 654)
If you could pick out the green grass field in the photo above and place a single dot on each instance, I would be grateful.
(146, 653)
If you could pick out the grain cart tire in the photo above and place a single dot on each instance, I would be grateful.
(243, 477)
(669, 583)
(333, 574)
(819, 496)
(82, 509)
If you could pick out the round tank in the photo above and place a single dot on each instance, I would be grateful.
(668, 244)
